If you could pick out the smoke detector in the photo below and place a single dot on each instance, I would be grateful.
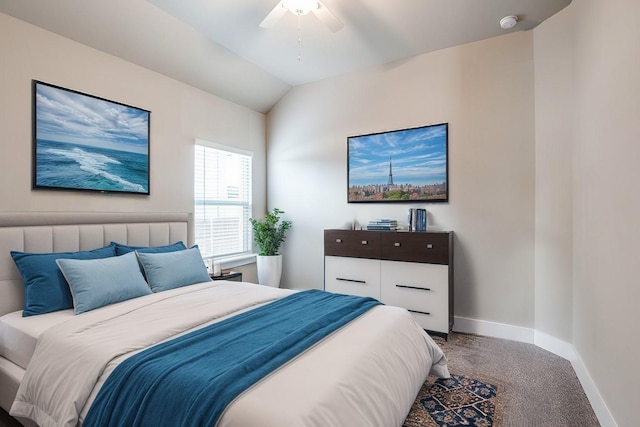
(508, 22)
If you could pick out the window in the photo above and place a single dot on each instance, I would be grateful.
(222, 196)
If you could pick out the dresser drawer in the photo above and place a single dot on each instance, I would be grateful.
(352, 243)
(426, 247)
(353, 276)
(423, 289)
(435, 322)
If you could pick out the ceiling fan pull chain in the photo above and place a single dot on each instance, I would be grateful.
(299, 37)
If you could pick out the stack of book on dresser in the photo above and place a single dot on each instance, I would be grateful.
(382, 224)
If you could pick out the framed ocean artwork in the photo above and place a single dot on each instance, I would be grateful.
(399, 166)
(86, 143)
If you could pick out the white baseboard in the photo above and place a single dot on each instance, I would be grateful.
(492, 329)
(549, 343)
(555, 345)
(568, 351)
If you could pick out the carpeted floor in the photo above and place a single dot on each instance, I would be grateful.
(534, 386)
(7, 421)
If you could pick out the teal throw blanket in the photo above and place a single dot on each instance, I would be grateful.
(190, 380)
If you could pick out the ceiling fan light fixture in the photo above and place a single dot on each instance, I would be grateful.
(300, 7)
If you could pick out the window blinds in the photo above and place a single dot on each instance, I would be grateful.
(222, 196)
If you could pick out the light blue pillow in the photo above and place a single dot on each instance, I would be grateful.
(45, 289)
(125, 249)
(170, 270)
(99, 282)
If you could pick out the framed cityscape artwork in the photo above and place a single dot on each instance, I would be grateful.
(407, 165)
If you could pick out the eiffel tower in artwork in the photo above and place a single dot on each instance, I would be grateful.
(390, 183)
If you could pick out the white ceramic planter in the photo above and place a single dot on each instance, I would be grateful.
(269, 270)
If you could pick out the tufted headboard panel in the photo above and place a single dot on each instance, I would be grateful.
(62, 232)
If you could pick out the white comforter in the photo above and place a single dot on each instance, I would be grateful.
(366, 374)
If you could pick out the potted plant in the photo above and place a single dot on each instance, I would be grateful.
(268, 235)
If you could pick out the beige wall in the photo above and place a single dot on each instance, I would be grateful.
(544, 157)
(553, 44)
(179, 113)
(485, 92)
(548, 120)
(606, 318)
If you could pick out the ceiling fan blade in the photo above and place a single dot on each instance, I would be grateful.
(327, 17)
(274, 16)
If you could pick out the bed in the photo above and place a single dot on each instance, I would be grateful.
(366, 371)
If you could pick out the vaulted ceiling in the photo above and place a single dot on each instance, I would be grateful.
(219, 46)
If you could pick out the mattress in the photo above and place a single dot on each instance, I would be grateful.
(18, 335)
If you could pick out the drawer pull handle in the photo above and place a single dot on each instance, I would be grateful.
(338, 240)
(351, 280)
(364, 242)
(413, 287)
(397, 245)
(429, 245)
(419, 312)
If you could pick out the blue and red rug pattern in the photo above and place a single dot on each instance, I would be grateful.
(454, 401)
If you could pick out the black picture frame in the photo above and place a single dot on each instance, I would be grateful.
(82, 142)
(399, 166)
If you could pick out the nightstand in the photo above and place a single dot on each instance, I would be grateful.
(231, 275)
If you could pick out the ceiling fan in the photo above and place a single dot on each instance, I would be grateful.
(300, 8)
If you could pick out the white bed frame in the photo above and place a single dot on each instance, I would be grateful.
(62, 232)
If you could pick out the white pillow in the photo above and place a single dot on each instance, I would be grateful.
(98, 282)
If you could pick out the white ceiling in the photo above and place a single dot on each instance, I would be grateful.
(218, 45)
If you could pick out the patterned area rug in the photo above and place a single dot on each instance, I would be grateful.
(455, 401)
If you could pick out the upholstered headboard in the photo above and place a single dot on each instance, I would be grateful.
(62, 232)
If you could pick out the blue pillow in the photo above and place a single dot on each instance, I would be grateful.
(125, 249)
(170, 270)
(45, 289)
(99, 282)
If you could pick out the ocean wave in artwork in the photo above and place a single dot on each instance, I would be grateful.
(65, 165)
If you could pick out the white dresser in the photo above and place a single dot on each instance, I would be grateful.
(413, 270)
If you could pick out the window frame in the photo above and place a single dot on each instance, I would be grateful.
(239, 258)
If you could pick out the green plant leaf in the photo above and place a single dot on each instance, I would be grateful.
(269, 233)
